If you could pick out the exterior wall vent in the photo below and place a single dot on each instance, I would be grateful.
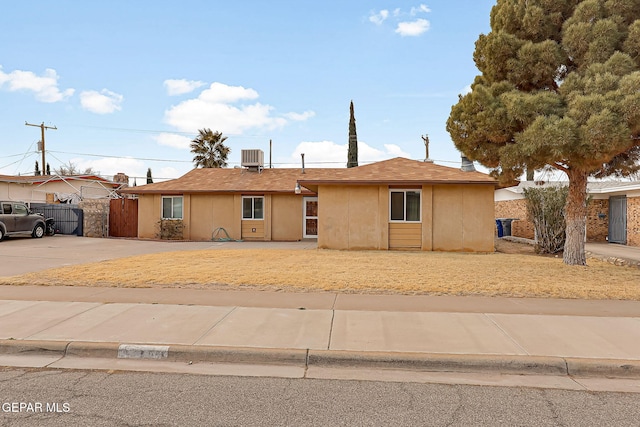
(252, 159)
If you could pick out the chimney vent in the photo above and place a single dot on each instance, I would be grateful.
(467, 165)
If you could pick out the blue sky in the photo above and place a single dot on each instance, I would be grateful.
(129, 83)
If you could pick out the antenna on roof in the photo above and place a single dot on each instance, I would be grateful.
(425, 138)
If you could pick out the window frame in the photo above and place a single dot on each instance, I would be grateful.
(404, 192)
(172, 218)
(253, 208)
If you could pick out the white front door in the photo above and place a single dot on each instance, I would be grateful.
(310, 217)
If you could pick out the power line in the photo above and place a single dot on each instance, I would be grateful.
(17, 155)
(19, 161)
(122, 157)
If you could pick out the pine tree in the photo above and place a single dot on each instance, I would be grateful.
(36, 170)
(560, 88)
(149, 178)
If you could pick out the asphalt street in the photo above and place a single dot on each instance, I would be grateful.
(78, 398)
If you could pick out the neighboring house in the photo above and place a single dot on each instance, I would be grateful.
(55, 188)
(392, 204)
(613, 212)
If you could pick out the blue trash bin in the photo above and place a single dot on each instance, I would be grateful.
(499, 226)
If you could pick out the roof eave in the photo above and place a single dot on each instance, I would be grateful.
(316, 183)
(176, 192)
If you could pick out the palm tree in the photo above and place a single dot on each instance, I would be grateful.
(209, 149)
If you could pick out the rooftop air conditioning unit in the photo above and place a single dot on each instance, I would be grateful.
(253, 159)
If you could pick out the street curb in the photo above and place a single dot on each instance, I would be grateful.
(438, 362)
(35, 347)
(609, 368)
(243, 355)
(92, 349)
(419, 362)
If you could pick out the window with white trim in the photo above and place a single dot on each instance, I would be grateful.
(404, 206)
(252, 207)
(172, 207)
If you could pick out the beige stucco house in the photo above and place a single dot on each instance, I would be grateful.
(392, 204)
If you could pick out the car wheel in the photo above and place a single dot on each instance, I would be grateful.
(38, 231)
(1, 234)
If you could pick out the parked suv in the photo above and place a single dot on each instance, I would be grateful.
(17, 218)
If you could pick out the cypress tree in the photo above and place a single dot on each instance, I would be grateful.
(352, 155)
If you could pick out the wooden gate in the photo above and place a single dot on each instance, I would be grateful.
(123, 218)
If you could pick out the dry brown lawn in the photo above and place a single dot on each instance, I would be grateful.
(515, 272)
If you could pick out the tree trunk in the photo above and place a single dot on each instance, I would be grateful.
(576, 217)
(530, 174)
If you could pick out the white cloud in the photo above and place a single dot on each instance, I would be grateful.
(182, 86)
(413, 28)
(380, 17)
(173, 140)
(423, 8)
(103, 102)
(218, 107)
(395, 151)
(300, 117)
(328, 154)
(45, 87)
(465, 90)
(221, 93)
(167, 172)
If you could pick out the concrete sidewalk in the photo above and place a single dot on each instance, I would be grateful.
(310, 330)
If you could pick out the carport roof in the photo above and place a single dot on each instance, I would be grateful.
(43, 179)
(398, 171)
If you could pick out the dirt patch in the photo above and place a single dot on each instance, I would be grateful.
(386, 272)
(509, 247)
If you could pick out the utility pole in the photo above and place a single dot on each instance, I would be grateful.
(42, 127)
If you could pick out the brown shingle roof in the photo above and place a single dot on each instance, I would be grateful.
(396, 171)
(224, 180)
(401, 171)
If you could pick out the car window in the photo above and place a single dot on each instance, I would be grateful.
(6, 208)
(19, 210)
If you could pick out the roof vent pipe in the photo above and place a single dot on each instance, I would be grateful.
(467, 165)
(302, 155)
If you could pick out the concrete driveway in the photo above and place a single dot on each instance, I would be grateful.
(21, 255)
